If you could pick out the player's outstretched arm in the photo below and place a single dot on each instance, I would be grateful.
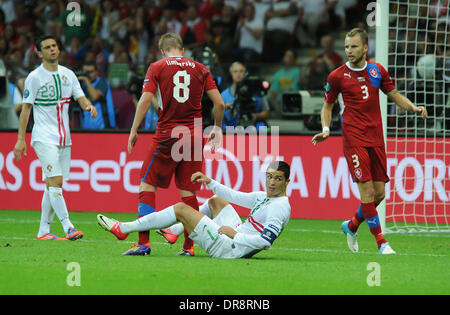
(404, 103)
(21, 146)
(325, 116)
(141, 110)
(86, 105)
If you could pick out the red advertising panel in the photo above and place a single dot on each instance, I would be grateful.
(104, 178)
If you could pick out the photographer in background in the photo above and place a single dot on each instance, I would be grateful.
(251, 111)
(10, 101)
(98, 90)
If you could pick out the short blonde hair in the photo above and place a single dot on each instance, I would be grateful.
(170, 41)
(362, 33)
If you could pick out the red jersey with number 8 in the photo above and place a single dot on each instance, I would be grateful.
(178, 83)
(357, 91)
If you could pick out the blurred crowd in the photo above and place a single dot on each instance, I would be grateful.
(419, 59)
(116, 40)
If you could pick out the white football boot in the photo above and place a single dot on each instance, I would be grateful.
(386, 249)
(351, 237)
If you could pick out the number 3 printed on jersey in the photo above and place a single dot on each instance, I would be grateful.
(181, 89)
(365, 91)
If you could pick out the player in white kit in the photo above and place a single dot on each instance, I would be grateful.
(48, 90)
(218, 229)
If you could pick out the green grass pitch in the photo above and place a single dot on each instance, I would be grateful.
(310, 257)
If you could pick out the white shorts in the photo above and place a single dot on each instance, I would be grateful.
(206, 234)
(55, 160)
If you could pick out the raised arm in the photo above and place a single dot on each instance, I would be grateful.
(240, 198)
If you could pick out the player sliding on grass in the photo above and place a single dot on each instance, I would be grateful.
(357, 84)
(221, 233)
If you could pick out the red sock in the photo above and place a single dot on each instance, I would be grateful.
(190, 201)
(354, 223)
(147, 198)
(370, 213)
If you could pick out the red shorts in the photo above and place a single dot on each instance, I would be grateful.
(367, 163)
(160, 163)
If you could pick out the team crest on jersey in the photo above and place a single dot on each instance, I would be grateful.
(49, 168)
(373, 72)
(65, 80)
(358, 173)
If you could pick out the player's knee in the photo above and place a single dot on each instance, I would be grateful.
(379, 197)
(180, 209)
(368, 193)
(216, 203)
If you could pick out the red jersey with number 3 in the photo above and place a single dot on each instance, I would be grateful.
(178, 83)
(357, 91)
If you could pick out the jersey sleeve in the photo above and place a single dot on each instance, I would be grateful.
(150, 81)
(240, 198)
(387, 84)
(332, 88)
(210, 84)
(30, 90)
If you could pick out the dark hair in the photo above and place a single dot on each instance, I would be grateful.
(281, 166)
(45, 37)
(90, 64)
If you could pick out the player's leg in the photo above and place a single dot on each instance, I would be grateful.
(189, 198)
(209, 208)
(156, 220)
(183, 172)
(47, 216)
(156, 172)
(55, 163)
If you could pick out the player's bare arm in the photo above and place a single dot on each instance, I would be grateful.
(141, 110)
(228, 231)
(325, 116)
(86, 105)
(21, 146)
(215, 137)
(404, 103)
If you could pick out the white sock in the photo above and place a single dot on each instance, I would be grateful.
(152, 221)
(59, 206)
(47, 214)
(178, 228)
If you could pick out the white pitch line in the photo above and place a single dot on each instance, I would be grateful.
(310, 250)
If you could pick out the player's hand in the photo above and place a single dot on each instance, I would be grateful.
(92, 109)
(228, 231)
(422, 111)
(215, 137)
(199, 177)
(132, 141)
(19, 148)
(320, 137)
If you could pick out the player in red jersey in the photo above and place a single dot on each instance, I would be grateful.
(177, 147)
(356, 86)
